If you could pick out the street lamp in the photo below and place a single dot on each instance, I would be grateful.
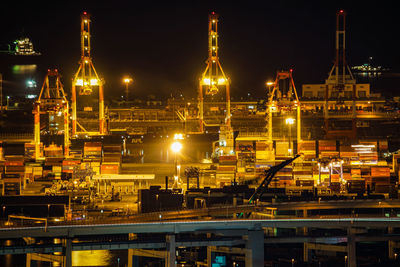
(269, 84)
(176, 148)
(127, 81)
(290, 122)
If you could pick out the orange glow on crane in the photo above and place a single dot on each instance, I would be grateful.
(284, 99)
(86, 78)
(213, 77)
(52, 101)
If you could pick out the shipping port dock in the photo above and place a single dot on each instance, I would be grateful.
(290, 179)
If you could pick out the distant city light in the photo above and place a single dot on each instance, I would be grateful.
(31, 96)
(31, 83)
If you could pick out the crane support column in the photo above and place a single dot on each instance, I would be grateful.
(298, 127)
(66, 131)
(73, 109)
(101, 110)
(37, 129)
(201, 106)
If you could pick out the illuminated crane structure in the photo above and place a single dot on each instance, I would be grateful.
(341, 82)
(211, 82)
(52, 102)
(86, 81)
(283, 100)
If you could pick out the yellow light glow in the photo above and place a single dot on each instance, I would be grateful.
(206, 81)
(213, 21)
(221, 80)
(176, 147)
(290, 121)
(270, 83)
(178, 136)
(79, 82)
(94, 82)
(127, 80)
(85, 20)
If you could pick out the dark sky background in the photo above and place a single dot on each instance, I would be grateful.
(163, 44)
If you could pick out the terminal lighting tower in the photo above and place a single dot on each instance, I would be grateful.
(213, 77)
(86, 79)
(52, 103)
(283, 100)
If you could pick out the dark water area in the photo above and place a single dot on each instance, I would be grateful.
(386, 83)
(23, 77)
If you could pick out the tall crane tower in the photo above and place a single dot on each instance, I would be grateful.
(53, 103)
(340, 73)
(283, 100)
(340, 79)
(86, 80)
(212, 81)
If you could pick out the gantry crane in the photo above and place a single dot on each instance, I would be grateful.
(86, 78)
(52, 102)
(340, 76)
(284, 100)
(212, 81)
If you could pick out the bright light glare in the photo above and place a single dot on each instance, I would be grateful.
(178, 136)
(79, 82)
(289, 121)
(206, 81)
(270, 83)
(176, 147)
(94, 82)
(127, 80)
(221, 80)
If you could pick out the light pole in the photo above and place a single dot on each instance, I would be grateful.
(127, 81)
(176, 147)
(269, 84)
(290, 122)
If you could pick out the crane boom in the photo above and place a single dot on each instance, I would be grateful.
(269, 174)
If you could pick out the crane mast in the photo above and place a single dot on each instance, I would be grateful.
(211, 82)
(213, 77)
(339, 78)
(86, 78)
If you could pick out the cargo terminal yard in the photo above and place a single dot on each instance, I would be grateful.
(311, 177)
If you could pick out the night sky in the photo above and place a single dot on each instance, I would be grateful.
(163, 44)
